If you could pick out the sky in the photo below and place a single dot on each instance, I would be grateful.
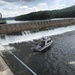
(11, 8)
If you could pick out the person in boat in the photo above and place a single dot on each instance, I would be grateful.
(42, 43)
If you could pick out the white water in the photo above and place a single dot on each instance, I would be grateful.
(3, 48)
(31, 36)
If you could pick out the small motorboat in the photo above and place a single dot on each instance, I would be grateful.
(45, 43)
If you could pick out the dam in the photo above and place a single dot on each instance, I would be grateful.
(33, 25)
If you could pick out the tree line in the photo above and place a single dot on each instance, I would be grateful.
(41, 15)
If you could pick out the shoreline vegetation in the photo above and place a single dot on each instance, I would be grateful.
(42, 15)
(2, 21)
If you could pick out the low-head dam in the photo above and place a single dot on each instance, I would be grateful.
(33, 25)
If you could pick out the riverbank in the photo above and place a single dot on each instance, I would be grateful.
(55, 61)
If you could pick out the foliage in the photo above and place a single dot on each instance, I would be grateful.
(2, 21)
(40, 15)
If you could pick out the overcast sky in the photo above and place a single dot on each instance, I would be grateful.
(10, 8)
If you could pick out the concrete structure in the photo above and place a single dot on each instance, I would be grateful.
(33, 25)
(4, 69)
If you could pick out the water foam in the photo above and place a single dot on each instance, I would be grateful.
(31, 36)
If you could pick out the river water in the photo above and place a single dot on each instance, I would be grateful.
(59, 59)
(13, 21)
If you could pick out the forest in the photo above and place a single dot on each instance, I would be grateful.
(42, 15)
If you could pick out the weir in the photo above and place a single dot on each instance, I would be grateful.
(33, 25)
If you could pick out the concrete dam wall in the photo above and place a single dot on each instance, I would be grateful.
(33, 25)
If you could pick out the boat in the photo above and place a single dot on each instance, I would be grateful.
(45, 43)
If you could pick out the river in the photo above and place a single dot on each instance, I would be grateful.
(59, 59)
(13, 21)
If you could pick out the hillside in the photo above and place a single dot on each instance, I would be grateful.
(41, 15)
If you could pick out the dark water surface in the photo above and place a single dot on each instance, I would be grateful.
(58, 60)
